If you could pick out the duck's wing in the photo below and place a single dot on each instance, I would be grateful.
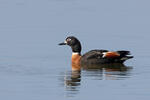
(111, 54)
(105, 54)
(117, 54)
(96, 54)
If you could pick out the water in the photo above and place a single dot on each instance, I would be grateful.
(34, 67)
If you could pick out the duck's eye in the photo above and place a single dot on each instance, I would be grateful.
(68, 39)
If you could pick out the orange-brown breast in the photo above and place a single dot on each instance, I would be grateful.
(76, 61)
(112, 54)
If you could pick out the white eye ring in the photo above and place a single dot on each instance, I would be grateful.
(68, 39)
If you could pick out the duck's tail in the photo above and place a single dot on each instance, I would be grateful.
(124, 55)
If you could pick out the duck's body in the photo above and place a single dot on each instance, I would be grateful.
(105, 56)
(93, 56)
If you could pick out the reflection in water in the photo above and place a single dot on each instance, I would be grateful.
(107, 71)
(72, 83)
(72, 79)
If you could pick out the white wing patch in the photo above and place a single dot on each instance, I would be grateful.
(104, 54)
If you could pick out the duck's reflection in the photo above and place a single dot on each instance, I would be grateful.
(72, 79)
(107, 71)
(72, 82)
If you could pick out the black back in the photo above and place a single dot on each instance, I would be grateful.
(96, 57)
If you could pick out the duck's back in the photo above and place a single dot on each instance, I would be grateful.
(104, 56)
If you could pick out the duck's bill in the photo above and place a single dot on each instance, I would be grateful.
(63, 43)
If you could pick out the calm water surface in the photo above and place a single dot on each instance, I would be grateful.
(34, 67)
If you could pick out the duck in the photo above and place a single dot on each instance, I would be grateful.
(93, 57)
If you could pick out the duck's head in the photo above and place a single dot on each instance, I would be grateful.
(73, 42)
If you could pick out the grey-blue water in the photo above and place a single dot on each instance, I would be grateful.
(34, 67)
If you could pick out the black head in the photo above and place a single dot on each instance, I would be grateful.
(73, 42)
